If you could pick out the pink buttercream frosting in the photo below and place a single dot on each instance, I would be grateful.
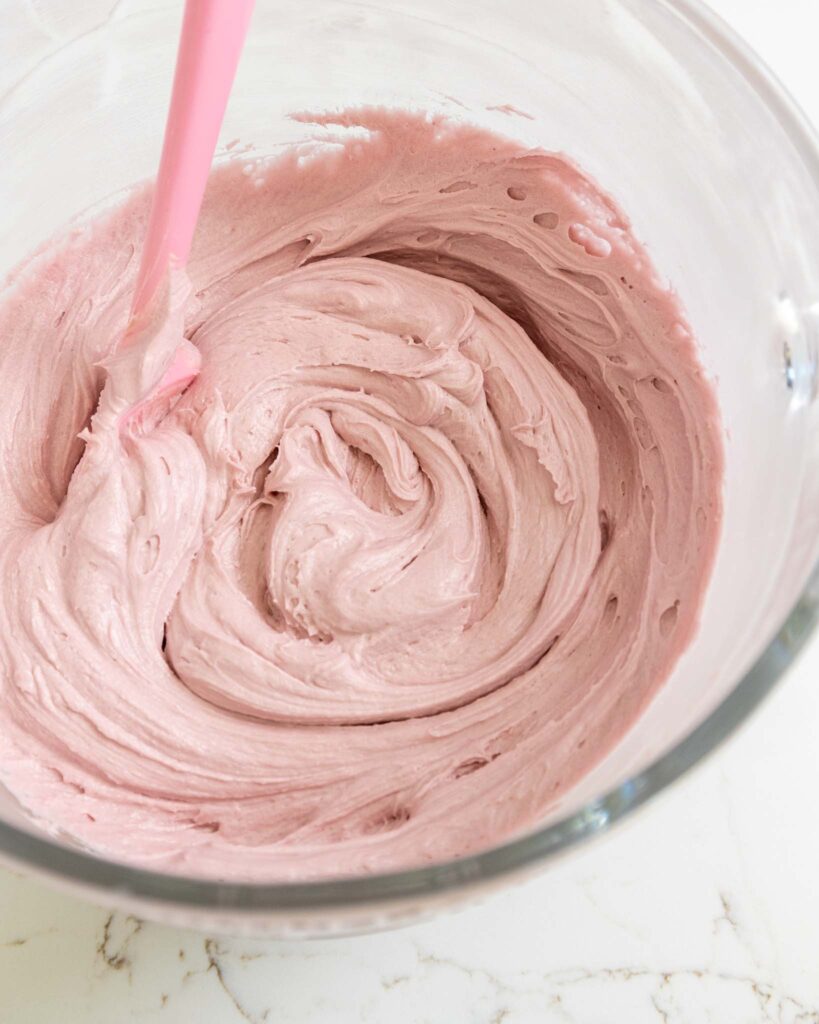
(405, 560)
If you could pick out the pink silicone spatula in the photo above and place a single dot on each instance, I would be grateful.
(213, 33)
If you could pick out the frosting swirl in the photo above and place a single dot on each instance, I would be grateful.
(404, 561)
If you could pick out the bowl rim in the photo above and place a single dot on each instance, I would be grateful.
(89, 871)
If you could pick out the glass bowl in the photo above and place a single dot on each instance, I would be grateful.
(720, 174)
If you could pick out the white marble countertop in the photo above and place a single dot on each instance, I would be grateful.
(704, 907)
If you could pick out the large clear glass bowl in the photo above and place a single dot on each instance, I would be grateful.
(720, 174)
